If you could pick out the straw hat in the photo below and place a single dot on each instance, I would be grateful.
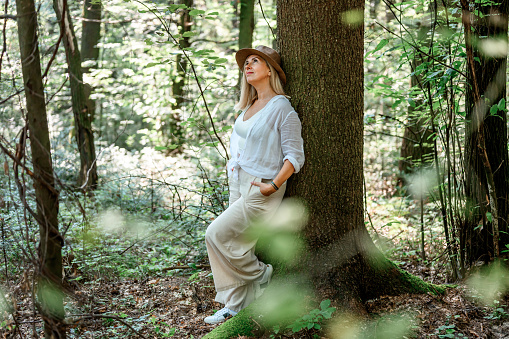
(270, 55)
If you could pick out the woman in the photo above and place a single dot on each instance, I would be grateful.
(266, 149)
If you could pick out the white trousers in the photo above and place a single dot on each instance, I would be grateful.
(231, 253)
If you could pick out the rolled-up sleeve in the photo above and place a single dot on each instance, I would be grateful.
(292, 144)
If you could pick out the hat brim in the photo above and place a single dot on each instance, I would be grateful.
(242, 55)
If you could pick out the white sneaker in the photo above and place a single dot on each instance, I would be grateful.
(220, 316)
(261, 285)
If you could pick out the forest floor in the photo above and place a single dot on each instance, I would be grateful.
(174, 306)
(172, 303)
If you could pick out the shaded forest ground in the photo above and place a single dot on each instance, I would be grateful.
(174, 306)
(134, 289)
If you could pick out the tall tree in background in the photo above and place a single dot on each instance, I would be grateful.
(50, 241)
(486, 168)
(416, 146)
(90, 36)
(171, 130)
(246, 28)
(246, 23)
(82, 117)
(324, 68)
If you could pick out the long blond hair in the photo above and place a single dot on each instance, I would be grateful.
(248, 93)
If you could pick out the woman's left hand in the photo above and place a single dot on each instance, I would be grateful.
(265, 189)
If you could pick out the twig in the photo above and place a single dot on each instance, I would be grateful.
(422, 52)
(58, 41)
(11, 96)
(184, 267)
(58, 91)
(106, 316)
(4, 45)
(263, 13)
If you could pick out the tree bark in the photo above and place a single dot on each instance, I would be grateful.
(172, 131)
(324, 68)
(416, 145)
(326, 86)
(90, 36)
(486, 170)
(50, 245)
(246, 24)
(82, 118)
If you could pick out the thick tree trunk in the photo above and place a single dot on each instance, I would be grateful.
(90, 36)
(326, 86)
(324, 68)
(82, 118)
(487, 86)
(50, 246)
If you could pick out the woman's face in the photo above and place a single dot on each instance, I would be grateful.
(256, 69)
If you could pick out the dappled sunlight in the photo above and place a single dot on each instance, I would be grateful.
(494, 48)
(285, 300)
(278, 236)
(490, 284)
(422, 182)
(349, 326)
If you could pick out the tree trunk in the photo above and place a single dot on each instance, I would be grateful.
(172, 131)
(416, 146)
(246, 24)
(326, 86)
(50, 246)
(324, 68)
(486, 87)
(90, 36)
(82, 118)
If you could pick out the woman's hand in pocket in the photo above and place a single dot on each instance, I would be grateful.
(265, 189)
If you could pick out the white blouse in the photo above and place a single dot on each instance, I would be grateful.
(274, 137)
(242, 127)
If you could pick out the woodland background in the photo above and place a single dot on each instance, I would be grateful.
(139, 100)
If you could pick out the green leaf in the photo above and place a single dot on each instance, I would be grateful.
(174, 7)
(189, 34)
(325, 304)
(378, 47)
(493, 109)
(220, 61)
(489, 216)
(501, 104)
(196, 12)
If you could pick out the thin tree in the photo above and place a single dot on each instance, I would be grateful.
(50, 299)
(486, 168)
(90, 37)
(82, 117)
(246, 23)
(171, 130)
(324, 67)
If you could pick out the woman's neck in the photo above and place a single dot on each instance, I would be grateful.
(264, 93)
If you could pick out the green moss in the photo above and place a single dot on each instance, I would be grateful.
(241, 324)
(417, 285)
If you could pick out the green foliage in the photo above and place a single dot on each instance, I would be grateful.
(314, 319)
(449, 330)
